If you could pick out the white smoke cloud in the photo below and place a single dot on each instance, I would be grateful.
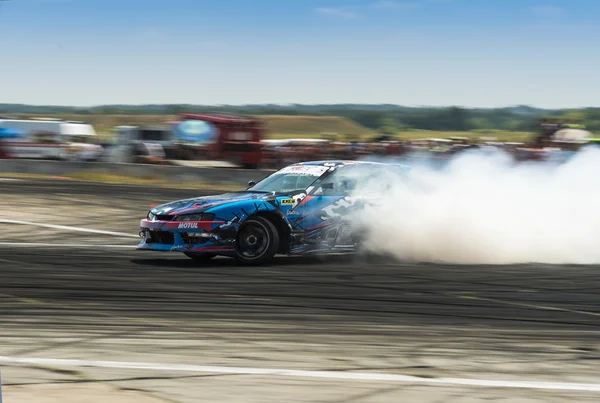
(483, 208)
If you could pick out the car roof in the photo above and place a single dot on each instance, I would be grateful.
(341, 163)
(333, 162)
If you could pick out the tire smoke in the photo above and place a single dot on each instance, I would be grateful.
(484, 208)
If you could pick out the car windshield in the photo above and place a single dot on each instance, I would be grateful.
(359, 179)
(290, 179)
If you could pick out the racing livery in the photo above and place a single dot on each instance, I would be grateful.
(301, 209)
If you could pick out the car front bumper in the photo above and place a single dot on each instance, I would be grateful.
(186, 236)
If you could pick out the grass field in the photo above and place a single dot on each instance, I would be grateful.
(279, 126)
(498, 134)
(313, 126)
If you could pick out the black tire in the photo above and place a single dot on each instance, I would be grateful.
(257, 241)
(199, 257)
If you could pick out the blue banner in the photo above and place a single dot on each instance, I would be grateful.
(7, 132)
(195, 131)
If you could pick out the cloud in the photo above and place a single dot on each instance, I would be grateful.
(548, 11)
(336, 12)
(391, 4)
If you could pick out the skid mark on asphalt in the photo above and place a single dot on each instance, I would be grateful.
(26, 300)
(525, 305)
(266, 299)
(279, 372)
(68, 228)
(145, 324)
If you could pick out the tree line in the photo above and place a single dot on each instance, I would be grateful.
(384, 118)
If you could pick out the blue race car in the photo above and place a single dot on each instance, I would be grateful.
(304, 208)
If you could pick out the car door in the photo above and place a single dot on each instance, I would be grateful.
(325, 214)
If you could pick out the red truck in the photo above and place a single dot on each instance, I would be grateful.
(224, 137)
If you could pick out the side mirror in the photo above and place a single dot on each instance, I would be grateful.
(327, 185)
(251, 183)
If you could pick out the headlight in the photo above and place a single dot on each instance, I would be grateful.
(195, 217)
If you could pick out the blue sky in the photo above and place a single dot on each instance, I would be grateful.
(415, 52)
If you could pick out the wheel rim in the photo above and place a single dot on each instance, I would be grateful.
(253, 241)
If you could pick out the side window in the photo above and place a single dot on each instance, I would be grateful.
(295, 182)
(305, 181)
(356, 180)
(342, 182)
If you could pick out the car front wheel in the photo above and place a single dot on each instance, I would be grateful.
(257, 241)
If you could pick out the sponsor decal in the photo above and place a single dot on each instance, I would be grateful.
(287, 201)
(188, 225)
(338, 208)
(311, 170)
(196, 131)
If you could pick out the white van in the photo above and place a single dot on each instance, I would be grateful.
(46, 138)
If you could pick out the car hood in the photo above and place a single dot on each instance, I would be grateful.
(201, 204)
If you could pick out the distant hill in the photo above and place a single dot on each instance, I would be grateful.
(358, 118)
(253, 109)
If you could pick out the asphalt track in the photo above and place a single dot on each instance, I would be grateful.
(339, 314)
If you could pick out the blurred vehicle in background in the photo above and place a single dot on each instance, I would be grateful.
(6, 136)
(81, 148)
(572, 135)
(141, 144)
(44, 138)
(220, 140)
(220, 137)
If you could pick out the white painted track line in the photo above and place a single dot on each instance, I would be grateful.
(63, 245)
(68, 228)
(355, 376)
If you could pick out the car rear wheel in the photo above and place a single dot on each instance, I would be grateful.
(200, 257)
(257, 241)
